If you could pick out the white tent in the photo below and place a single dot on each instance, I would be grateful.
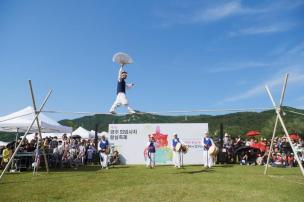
(3, 144)
(83, 133)
(44, 135)
(21, 120)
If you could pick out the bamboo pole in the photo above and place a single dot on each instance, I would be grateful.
(26, 133)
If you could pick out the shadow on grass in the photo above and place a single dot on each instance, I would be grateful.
(204, 170)
(199, 171)
(86, 169)
(224, 165)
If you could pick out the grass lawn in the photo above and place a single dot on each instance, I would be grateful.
(164, 183)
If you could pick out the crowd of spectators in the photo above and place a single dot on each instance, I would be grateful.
(65, 152)
(68, 152)
(255, 151)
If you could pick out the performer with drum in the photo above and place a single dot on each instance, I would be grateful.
(151, 148)
(121, 98)
(104, 150)
(207, 142)
(177, 152)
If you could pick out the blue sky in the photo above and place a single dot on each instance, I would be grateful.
(187, 54)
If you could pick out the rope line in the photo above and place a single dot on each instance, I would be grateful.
(165, 112)
(294, 112)
(156, 113)
(16, 117)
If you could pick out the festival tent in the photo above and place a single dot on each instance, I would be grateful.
(3, 144)
(83, 133)
(44, 135)
(20, 121)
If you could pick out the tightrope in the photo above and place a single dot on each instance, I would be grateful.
(164, 112)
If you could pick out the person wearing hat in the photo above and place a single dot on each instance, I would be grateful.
(104, 151)
(176, 151)
(121, 98)
(207, 143)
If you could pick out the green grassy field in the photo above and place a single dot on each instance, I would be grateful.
(164, 183)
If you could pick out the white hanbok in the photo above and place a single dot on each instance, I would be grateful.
(121, 98)
(207, 158)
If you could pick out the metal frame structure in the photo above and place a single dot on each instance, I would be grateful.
(39, 132)
(278, 110)
(37, 112)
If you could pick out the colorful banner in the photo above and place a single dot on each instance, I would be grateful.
(131, 141)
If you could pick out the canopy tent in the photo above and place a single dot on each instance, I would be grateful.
(44, 135)
(20, 121)
(83, 133)
(98, 134)
(3, 144)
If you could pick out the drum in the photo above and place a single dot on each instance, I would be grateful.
(178, 147)
(213, 150)
(108, 150)
(259, 160)
(184, 148)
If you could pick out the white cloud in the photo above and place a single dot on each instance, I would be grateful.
(214, 11)
(296, 76)
(254, 30)
(218, 12)
(239, 66)
(298, 49)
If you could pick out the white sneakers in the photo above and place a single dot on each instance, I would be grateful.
(131, 111)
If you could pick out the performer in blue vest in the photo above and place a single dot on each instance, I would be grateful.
(207, 142)
(176, 151)
(104, 151)
(121, 98)
(151, 147)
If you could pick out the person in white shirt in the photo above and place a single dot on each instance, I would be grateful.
(81, 154)
(177, 154)
(58, 152)
(207, 142)
(104, 150)
(121, 98)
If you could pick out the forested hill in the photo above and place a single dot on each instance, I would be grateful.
(234, 123)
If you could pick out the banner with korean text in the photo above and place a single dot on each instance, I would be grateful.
(131, 141)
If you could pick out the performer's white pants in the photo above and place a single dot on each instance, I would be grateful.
(103, 156)
(151, 160)
(121, 99)
(177, 158)
(207, 159)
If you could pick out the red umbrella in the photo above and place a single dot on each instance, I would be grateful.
(294, 136)
(260, 145)
(253, 133)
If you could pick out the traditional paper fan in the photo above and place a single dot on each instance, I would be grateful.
(122, 58)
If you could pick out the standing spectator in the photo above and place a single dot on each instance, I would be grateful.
(90, 153)
(53, 143)
(82, 151)
(6, 154)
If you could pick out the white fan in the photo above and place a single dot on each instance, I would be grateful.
(122, 58)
